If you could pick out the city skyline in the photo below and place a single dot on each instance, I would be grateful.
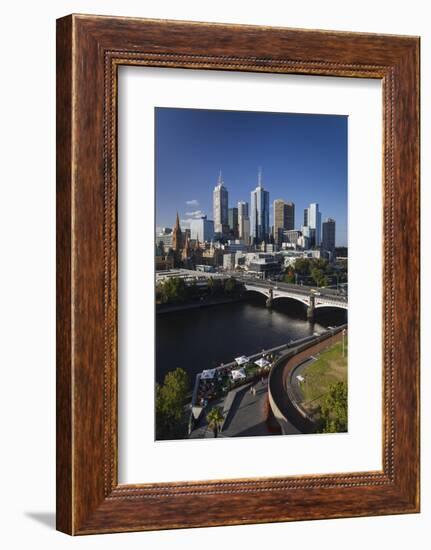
(318, 141)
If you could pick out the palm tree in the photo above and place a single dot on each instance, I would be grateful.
(215, 420)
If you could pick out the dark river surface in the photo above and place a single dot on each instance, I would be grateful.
(197, 339)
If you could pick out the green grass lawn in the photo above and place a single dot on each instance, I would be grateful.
(329, 367)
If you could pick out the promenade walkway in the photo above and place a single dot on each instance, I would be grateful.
(246, 416)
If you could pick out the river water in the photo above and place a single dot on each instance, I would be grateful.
(198, 339)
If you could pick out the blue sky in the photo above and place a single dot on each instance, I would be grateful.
(303, 160)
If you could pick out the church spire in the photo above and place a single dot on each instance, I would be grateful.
(177, 235)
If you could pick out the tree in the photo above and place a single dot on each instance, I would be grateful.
(334, 409)
(302, 266)
(159, 294)
(174, 290)
(319, 276)
(215, 420)
(170, 399)
(230, 285)
(289, 277)
(320, 263)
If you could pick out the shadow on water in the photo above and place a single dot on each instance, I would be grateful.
(292, 308)
(330, 316)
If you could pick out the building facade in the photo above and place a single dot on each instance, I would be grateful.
(315, 222)
(328, 235)
(265, 265)
(291, 236)
(309, 234)
(164, 239)
(232, 217)
(229, 261)
(202, 229)
(279, 220)
(243, 222)
(290, 215)
(284, 218)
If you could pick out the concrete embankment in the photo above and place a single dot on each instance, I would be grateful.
(285, 410)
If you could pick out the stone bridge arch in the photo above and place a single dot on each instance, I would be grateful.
(329, 304)
(277, 294)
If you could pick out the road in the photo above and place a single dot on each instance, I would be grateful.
(280, 380)
(299, 289)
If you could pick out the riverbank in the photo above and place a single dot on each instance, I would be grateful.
(169, 308)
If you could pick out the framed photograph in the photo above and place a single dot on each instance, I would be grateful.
(237, 274)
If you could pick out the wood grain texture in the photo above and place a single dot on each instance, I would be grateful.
(64, 497)
(90, 49)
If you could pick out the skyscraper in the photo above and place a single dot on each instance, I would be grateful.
(220, 205)
(290, 215)
(305, 216)
(284, 218)
(246, 230)
(279, 220)
(259, 218)
(232, 216)
(243, 221)
(315, 221)
(328, 235)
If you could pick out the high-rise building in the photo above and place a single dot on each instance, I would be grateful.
(202, 229)
(259, 215)
(279, 219)
(315, 222)
(284, 218)
(246, 230)
(232, 216)
(305, 216)
(290, 215)
(243, 221)
(220, 205)
(328, 235)
(310, 235)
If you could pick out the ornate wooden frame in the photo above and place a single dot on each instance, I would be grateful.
(89, 51)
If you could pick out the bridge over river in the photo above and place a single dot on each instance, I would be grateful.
(312, 297)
